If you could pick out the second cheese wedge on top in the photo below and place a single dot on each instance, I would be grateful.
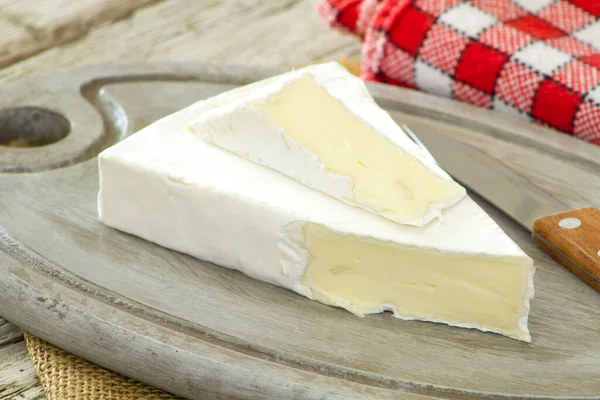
(342, 143)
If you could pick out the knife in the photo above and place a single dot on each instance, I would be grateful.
(569, 236)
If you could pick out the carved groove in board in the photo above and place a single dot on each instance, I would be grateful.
(69, 92)
(462, 115)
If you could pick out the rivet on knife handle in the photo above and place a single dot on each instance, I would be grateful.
(573, 239)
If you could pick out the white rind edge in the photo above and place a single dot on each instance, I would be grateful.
(220, 123)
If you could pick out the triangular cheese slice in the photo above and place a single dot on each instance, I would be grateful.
(320, 126)
(173, 188)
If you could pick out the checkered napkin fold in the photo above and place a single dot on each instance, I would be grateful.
(538, 60)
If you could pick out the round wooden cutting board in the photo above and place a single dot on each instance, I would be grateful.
(203, 331)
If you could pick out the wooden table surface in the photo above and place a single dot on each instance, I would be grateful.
(45, 35)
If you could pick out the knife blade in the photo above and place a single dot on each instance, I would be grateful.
(571, 237)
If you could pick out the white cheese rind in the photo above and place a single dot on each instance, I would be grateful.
(238, 126)
(168, 186)
(270, 145)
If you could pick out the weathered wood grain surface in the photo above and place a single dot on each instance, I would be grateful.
(18, 379)
(249, 32)
(32, 26)
(44, 35)
(57, 33)
(223, 327)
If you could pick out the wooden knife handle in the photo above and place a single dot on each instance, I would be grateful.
(573, 239)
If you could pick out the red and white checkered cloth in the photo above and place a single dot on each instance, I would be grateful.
(538, 60)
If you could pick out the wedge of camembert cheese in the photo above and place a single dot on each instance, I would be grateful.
(170, 186)
(321, 126)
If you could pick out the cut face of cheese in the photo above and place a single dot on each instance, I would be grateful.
(341, 143)
(367, 272)
(175, 189)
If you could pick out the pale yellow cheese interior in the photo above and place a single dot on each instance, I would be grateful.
(387, 180)
(420, 284)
